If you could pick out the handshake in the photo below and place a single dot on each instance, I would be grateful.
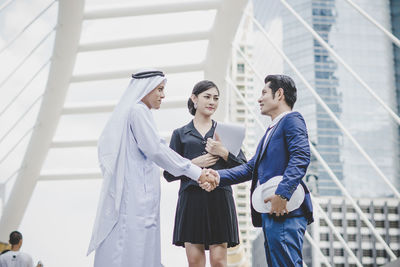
(209, 179)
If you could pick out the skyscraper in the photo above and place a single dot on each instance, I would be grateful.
(395, 20)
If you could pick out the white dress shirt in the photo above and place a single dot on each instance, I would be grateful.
(273, 124)
(16, 259)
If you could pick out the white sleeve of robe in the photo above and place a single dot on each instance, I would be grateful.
(154, 148)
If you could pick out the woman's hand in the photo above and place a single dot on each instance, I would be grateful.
(216, 148)
(205, 161)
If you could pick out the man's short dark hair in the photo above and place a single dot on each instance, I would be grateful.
(287, 84)
(15, 237)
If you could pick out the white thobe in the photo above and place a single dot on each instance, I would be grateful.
(134, 241)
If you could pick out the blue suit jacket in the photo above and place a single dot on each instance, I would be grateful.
(287, 153)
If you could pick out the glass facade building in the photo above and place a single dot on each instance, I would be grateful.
(370, 54)
(395, 19)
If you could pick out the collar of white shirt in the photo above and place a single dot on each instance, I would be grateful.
(278, 118)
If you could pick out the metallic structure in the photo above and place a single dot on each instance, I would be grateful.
(233, 44)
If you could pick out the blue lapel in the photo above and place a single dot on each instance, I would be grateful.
(259, 148)
(269, 139)
(262, 152)
(260, 145)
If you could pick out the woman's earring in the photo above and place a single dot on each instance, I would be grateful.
(195, 105)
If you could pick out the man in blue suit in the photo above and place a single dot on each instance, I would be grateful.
(283, 150)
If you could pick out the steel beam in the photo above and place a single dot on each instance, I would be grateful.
(87, 108)
(219, 54)
(123, 74)
(132, 10)
(145, 41)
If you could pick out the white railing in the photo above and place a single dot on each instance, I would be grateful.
(5, 5)
(16, 145)
(393, 38)
(21, 117)
(15, 38)
(19, 65)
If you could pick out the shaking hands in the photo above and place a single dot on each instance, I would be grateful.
(209, 179)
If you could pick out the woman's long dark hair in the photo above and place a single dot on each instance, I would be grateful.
(199, 88)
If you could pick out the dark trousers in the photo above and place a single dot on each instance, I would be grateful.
(283, 240)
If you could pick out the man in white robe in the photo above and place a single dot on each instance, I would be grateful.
(127, 227)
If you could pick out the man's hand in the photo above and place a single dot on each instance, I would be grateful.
(206, 186)
(216, 148)
(208, 180)
(278, 205)
(214, 173)
(205, 161)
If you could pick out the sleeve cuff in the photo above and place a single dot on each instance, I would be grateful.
(194, 172)
(221, 181)
(282, 192)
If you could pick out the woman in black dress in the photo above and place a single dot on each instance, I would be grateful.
(204, 220)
